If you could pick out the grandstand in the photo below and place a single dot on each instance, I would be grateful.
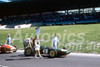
(59, 13)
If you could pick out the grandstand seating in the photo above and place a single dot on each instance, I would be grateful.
(87, 21)
(65, 22)
(51, 19)
(48, 23)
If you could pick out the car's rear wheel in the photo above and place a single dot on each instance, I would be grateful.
(52, 53)
(28, 52)
(3, 50)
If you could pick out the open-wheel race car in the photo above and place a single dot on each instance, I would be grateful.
(46, 51)
(7, 48)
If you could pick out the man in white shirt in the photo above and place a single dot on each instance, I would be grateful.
(55, 41)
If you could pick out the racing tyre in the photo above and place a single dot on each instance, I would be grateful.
(52, 53)
(15, 49)
(3, 50)
(28, 52)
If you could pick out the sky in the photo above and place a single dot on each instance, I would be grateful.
(5, 0)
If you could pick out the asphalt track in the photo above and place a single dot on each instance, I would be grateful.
(71, 60)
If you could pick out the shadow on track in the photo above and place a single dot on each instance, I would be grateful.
(18, 59)
(23, 57)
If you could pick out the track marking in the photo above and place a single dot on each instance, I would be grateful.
(3, 66)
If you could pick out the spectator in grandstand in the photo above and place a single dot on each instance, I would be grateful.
(8, 40)
(37, 46)
(55, 41)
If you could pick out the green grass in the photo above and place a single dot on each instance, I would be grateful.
(91, 34)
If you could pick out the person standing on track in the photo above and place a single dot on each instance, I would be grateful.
(55, 41)
(37, 46)
(8, 40)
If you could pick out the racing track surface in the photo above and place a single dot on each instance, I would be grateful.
(19, 60)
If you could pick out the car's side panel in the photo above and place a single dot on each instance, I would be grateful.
(6, 46)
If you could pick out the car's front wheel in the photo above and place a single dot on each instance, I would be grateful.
(15, 49)
(52, 53)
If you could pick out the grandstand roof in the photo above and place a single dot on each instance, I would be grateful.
(10, 7)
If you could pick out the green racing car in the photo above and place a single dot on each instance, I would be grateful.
(50, 52)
